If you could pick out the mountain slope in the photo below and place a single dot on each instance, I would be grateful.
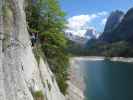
(115, 41)
(113, 20)
(124, 30)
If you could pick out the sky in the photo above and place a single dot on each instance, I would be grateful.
(84, 14)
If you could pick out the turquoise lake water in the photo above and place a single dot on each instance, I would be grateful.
(106, 80)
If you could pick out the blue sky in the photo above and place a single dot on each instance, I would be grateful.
(96, 11)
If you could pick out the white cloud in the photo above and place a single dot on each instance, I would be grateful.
(77, 32)
(103, 22)
(79, 24)
(103, 13)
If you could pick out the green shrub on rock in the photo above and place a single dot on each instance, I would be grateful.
(38, 95)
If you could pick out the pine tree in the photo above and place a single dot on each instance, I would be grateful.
(47, 18)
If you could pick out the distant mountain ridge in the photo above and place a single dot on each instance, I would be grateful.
(113, 20)
(115, 41)
(89, 34)
(75, 38)
(123, 31)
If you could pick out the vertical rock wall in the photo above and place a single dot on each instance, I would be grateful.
(20, 75)
(2, 92)
(12, 22)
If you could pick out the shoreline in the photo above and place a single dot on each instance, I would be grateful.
(76, 84)
(95, 58)
(121, 59)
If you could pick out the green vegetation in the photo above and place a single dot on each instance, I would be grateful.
(6, 10)
(96, 48)
(118, 49)
(76, 49)
(38, 95)
(46, 18)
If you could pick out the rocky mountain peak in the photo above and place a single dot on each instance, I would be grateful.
(90, 33)
(113, 20)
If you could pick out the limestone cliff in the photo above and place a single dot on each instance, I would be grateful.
(113, 20)
(20, 74)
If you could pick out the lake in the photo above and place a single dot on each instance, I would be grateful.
(107, 80)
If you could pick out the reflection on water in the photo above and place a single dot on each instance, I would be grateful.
(106, 80)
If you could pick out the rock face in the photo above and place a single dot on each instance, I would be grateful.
(91, 34)
(20, 74)
(113, 20)
(123, 31)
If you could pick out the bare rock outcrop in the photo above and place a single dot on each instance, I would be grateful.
(20, 74)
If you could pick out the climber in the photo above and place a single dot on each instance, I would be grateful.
(33, 39)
